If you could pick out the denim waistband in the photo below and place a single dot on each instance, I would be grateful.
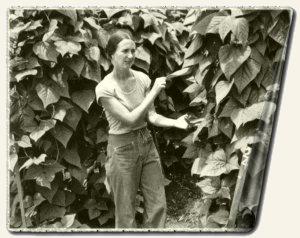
(138, 134)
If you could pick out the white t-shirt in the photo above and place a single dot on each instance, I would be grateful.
(109, 88)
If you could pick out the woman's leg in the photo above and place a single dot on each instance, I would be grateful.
(152, 187)
(123, 174)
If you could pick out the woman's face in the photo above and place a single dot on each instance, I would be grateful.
(124, 56)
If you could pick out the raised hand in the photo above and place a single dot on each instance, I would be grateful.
(181, 122)
(159, 84)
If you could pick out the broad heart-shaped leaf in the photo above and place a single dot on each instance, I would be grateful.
(92, 53)
(210, 185)
(73, 117)
(49, 211)
(194, 46)
(48, 193)
(72, 157)
(41, 129)
(48, 92)
(24, 142)
(279, 31)
(180, 73)
(70, 13)
(245, 74)
(207, 23)
(232, 57)
(191, 152)
(45, 51)
(68, 220)
(59, 198)
(230, 105)
(142, 53)
(220, 217)
(91, 21)
(76, 63)
(64, 47)
(222, 89)
(241, 30)
(261, 111)
(226, 126)
(83, 98)
(226, 26)
(92, 71)
(215, 164)
(151, 36)
(43, 175)
(62, 134)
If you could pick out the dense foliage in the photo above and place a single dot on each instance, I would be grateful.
(220, 65)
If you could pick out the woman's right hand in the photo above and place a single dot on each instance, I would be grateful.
(159, 84)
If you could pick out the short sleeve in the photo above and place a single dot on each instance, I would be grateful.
(103, 91)
(146, 81)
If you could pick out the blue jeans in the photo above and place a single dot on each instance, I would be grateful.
(132, 163)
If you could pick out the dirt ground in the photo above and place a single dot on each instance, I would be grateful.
(183, 199)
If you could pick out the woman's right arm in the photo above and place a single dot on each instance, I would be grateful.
(120, 112)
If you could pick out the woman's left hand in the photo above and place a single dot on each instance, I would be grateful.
(181, 122)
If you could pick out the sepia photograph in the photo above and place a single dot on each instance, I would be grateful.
(141, 119)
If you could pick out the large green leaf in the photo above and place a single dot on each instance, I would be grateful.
(261, 111)
(229, 107)
(41, 129)
(279, 31)
(48, 92)
(208, 24)
(92, 53)
(24, 142)
(84, 99)
(217, 164)
(64, 47)
(199, 162)
(72, 157)
(245, 74)
(92, 22)
(92, 71)
(232, 57)
(76, 63)
(45, 51)
(143, 54)
(70, 13)
(226, 26)
(241, 30)
(43, 174)
(49, 211)
(194, 46)
(210, 185)
(73, 117)
(62, 134)
(222, 89)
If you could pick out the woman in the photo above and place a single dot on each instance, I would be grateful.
(133, 161)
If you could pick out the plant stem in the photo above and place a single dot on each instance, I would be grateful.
(20, 194)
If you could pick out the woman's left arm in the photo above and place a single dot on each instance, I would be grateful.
(161, 121)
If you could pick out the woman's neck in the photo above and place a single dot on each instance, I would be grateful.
(121, 74)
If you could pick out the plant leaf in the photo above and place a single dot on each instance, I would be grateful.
(222, 89)
(92, 53)
(142, 53)
(47, 92)
(24, 142)
(76, 63)
(35, 161)
(225, 27)
(210, 185)
(260, 111)
(215, 164)
(62, 134)
(72, 157)
(20, 76)
(229, 107)
(194, 46)
(220, 217)
(83, 99)
(232, 57)
(68, 220)
(45, 51)
(241, 30)
(245, 74)
(41, 129)
(91, 21)
(92, 71)
(49, 211)
(73, 117)
(64, 47)
(70, 13)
